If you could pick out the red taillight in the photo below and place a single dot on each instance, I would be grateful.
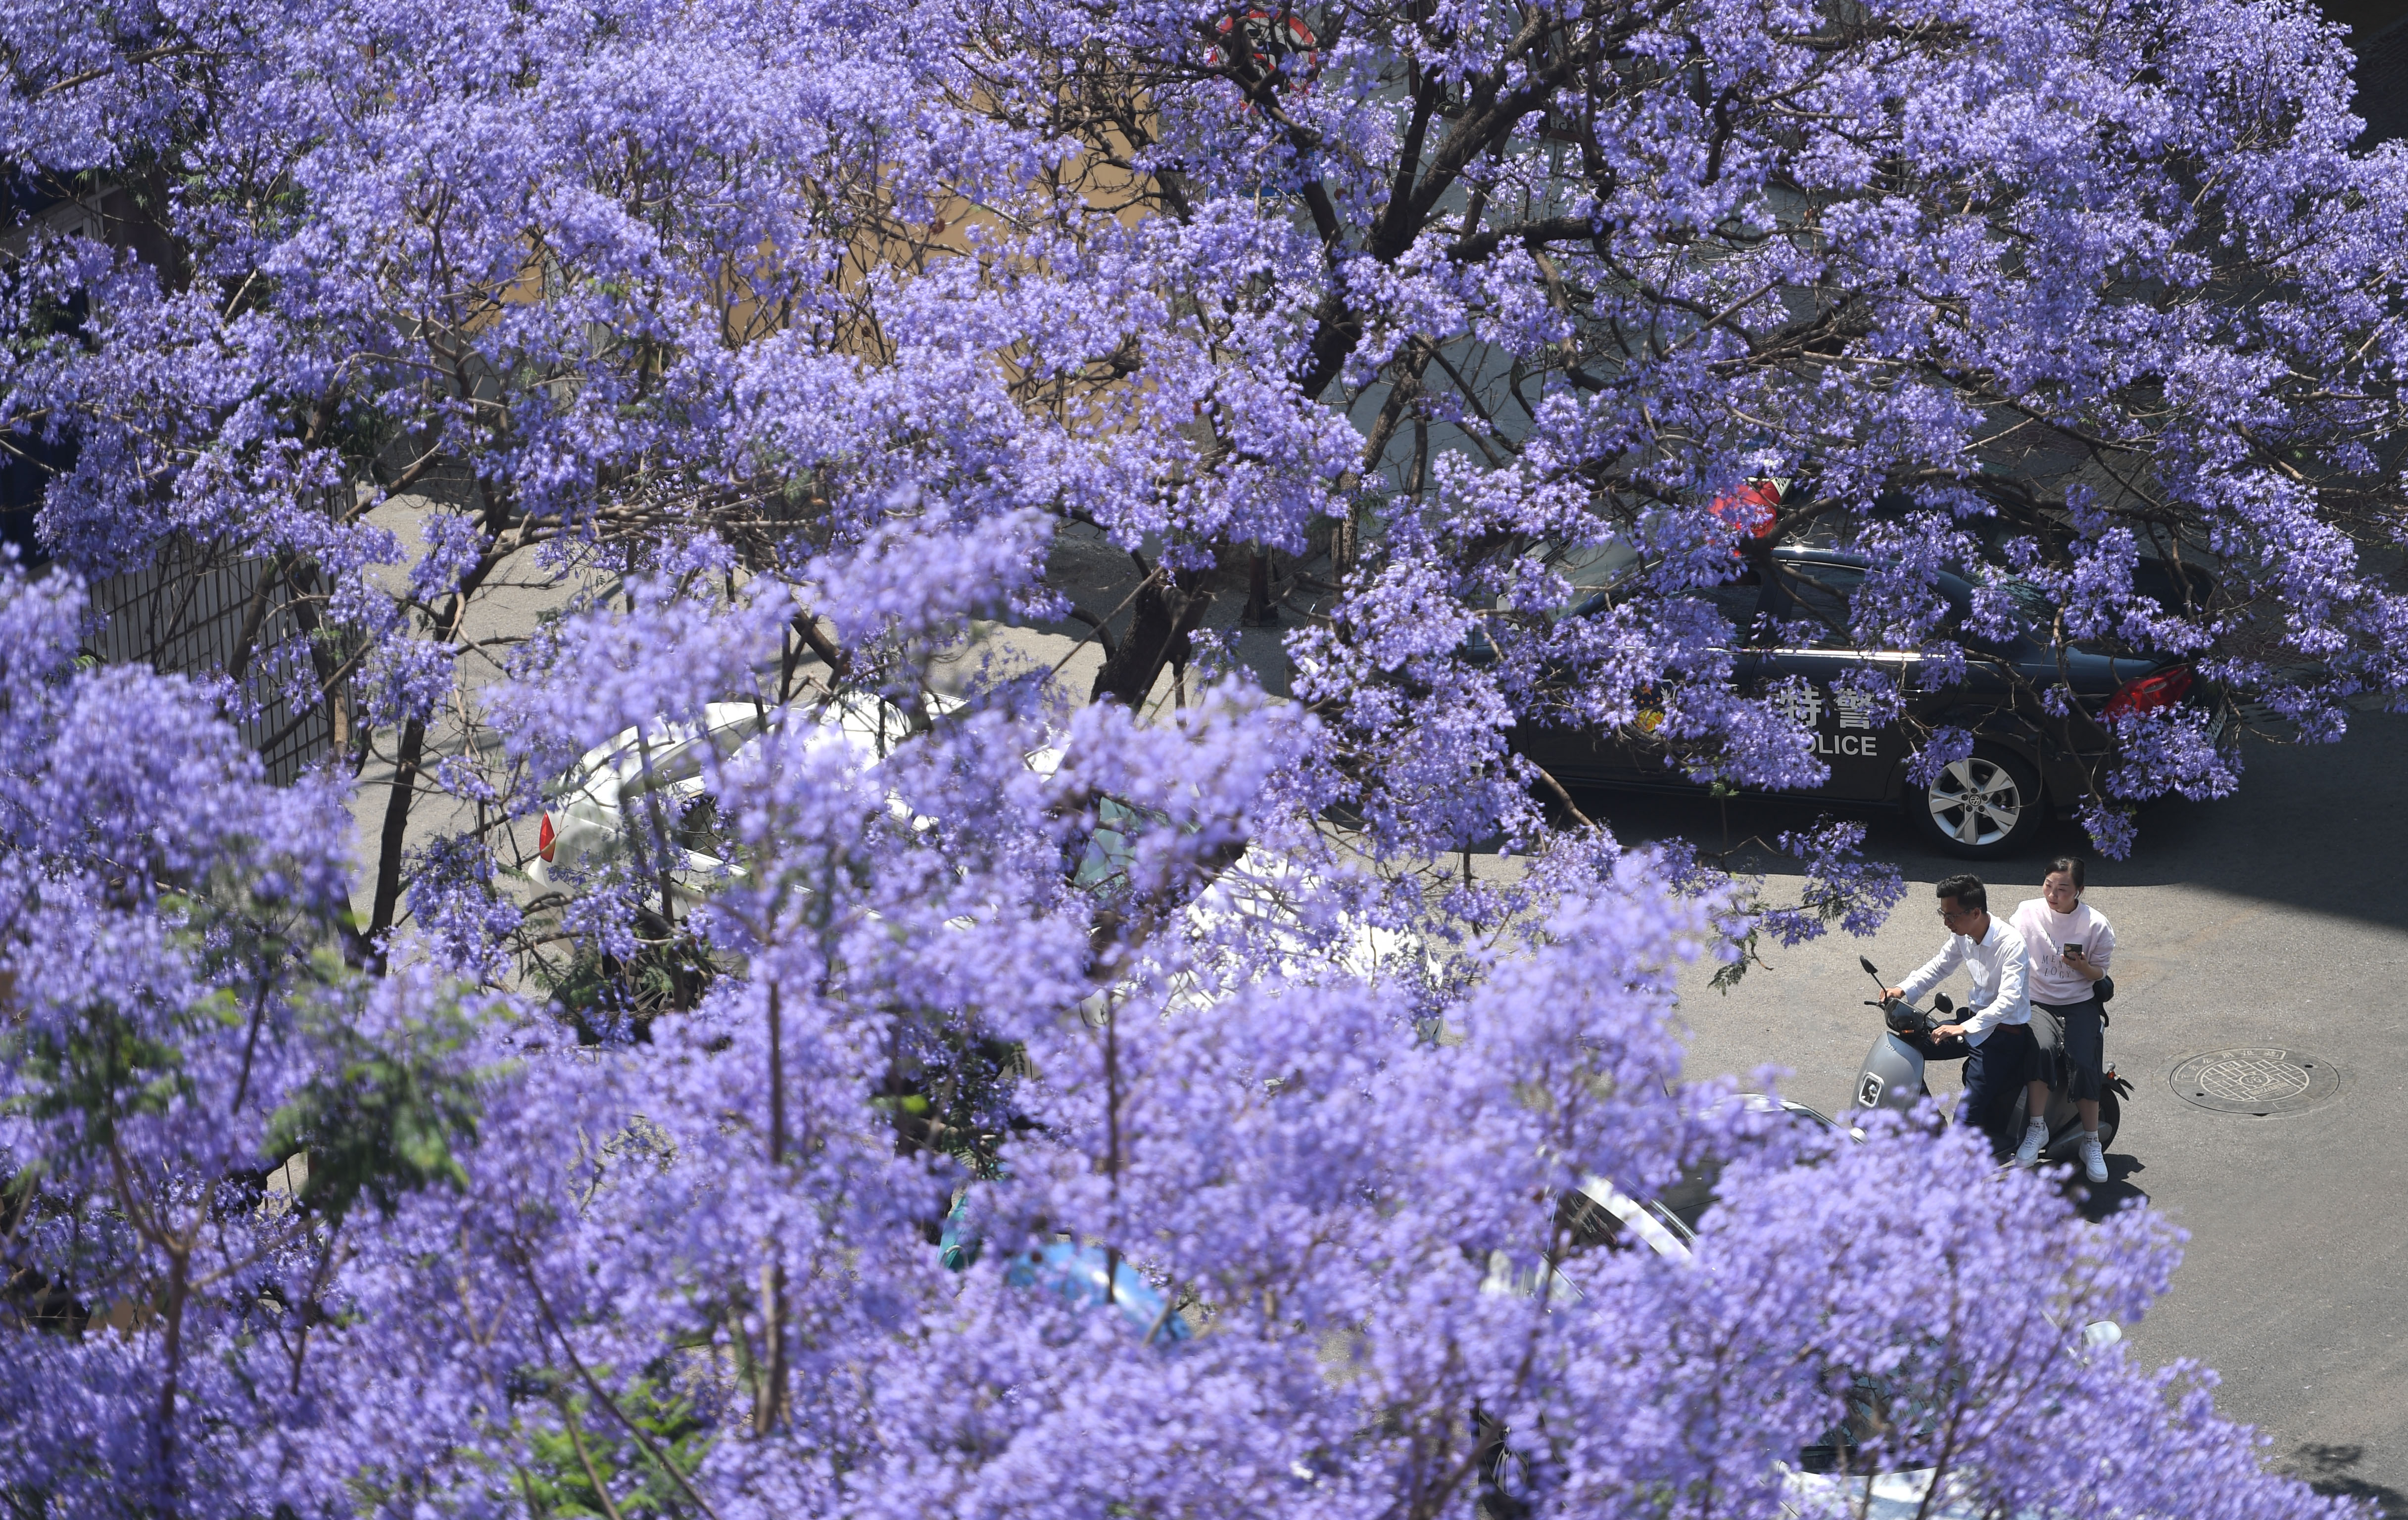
(2150, 692)
(544, 839)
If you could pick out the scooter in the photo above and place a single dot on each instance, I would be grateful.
(1892, 1075)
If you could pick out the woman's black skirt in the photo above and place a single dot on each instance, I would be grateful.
(2074, 1045)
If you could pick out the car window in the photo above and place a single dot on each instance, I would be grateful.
(1737, 600)
(1112, 844)
(1819, 594)
(1592, 566)
(2029, 610)
(1900, 1413)
(1596, 1215)
(1587, 1222)
(1688, 1199)
(2029, 600)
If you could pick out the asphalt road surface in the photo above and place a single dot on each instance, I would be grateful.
(2276, 919)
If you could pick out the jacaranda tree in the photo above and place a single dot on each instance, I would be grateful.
(779, 343)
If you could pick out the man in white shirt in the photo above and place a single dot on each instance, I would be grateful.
(1999, 1055)
(2069, 944)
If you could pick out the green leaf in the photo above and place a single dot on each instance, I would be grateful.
(385, 1118)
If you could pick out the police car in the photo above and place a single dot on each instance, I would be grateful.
(1789, 613)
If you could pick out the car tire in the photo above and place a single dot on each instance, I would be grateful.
(1985, 807)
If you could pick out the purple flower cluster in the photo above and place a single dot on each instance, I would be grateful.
(777, 348)
(463, 922)
(695, 1272)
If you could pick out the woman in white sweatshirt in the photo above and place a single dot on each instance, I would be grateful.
(2070, 943)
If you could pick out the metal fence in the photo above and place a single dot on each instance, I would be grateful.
(185, 615)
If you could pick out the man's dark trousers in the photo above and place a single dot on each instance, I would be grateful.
(1995, 1071)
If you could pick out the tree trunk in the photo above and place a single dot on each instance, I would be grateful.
(396, 827)
(1161, 617)
(1261, 611)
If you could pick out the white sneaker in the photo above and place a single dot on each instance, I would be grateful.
(2035, 1140)
(2094, 1160)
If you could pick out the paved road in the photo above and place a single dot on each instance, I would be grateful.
(2278, 917)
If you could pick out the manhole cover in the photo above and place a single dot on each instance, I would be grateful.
(2263, 1080)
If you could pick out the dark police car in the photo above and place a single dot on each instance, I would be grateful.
(2025, 760)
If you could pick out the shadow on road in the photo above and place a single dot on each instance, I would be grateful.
(2117, 1194)
(2328, 1470)
(2317, 828)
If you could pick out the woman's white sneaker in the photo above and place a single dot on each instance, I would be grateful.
(2094, 1160)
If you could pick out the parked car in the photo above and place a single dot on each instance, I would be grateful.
(1599, 1215)
(588, 812)
(1830, 1473)
(2024, 762)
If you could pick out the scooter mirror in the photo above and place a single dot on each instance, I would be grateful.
(1866, 962)
(1939, 1001)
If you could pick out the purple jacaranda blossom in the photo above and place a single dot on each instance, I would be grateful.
(1946, 746)
(453, 546)
(456, 911)
(409, 680)
(1275, 320)
(692, 1266)
(778, 345)
(177, 1004)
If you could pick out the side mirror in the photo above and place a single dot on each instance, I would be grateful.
(1867, 963)
(1939, 1001)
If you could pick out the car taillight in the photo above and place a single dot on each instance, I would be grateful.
(2150, 692)
(544, 839)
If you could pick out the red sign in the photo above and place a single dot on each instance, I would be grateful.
(1753, 509)
(1270, 38)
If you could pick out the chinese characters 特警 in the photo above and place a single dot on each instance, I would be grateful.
(1802, 704)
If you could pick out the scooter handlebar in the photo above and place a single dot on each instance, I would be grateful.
(1902, 1017)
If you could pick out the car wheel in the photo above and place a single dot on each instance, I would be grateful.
(1983, 807)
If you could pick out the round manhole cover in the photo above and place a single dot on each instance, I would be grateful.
(2263, 1080)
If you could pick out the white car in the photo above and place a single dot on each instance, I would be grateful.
(585, 819)
(1599, 1213)
(585, 825)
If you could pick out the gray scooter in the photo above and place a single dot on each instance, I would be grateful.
(1892, 1076)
